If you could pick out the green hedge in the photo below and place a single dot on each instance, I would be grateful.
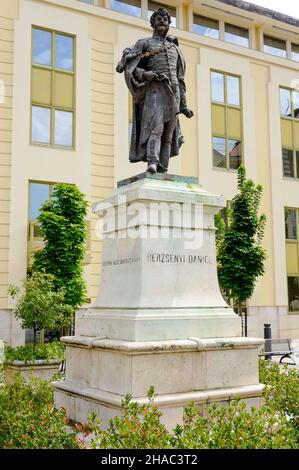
(28, 353)
(28, 419)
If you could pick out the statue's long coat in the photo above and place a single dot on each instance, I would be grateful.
(144, 96)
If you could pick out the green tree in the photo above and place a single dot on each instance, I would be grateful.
(240, 255)
(63, 225)
(40, 305)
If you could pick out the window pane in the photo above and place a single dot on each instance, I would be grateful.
(290, 224)
(235, 154)
(288, 163)
(42, 41)
(153, 6)
(236, 35)
(285, 102)
(41, 125)
(205, 26)
(217, 80)
(275, 46)
(64, 52)
(233, 90)
(295, 52)
(130, 7)
(295, 98)
(293, 290)
(39, 193)
(219, 152)
(63, 128)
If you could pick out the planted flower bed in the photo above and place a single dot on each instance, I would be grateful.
(41, 361)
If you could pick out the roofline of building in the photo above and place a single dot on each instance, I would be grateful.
(274, 15)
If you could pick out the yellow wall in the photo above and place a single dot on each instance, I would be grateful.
(8, 11)
(103, 37)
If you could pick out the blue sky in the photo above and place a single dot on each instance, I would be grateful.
(289, 7)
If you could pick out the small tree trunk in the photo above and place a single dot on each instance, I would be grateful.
(42, 337)
(34, 337)
(246, 323)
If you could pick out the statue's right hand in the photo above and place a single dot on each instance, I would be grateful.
(149, 75)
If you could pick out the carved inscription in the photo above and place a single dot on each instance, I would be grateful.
(172, 258)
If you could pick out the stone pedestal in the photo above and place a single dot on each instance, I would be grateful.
(159, 318)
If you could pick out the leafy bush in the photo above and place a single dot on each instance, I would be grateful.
(54, 350)
(234, 427)
(282, 391)
(139, 427)
(273, 426)
(231, 427)
(41, 306)
(28, 419)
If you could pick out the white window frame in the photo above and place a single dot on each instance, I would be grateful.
(222, 23)
(144, 10)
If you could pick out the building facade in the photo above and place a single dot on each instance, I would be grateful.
(65, 117)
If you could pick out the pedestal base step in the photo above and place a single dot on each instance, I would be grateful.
(80, 402)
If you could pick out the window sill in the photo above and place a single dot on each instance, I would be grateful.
(226, 170)
(55, 147)
(291, 178)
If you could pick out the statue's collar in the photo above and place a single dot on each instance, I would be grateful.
(156, 35)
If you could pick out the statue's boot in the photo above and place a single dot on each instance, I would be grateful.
(164, 157)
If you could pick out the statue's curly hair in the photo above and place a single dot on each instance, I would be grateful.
(160, 11)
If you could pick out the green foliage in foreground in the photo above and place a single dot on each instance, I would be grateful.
(28, 419)
(53, 350)
(232, 427)
(282, 392)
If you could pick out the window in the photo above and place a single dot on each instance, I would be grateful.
(226, 120)
(39, 193)
(290, 224)
(275, 46)
(292, 256)
(130, 7)
(205, 26)
(53, 88)
(293, 293)
(153, 6)
(236, 35)
(289, 112)
(295, 52)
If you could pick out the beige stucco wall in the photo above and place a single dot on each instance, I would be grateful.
(102, 134)
(8, 12)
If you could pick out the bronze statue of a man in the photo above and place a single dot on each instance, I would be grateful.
(154, 71)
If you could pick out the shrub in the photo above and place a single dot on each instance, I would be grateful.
(233, 427)
(282, 391)
(273, 426)
(139, 427)
(28, 353)
(28, 419)
(40, 306)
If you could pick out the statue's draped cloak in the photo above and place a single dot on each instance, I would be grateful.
(151, 98)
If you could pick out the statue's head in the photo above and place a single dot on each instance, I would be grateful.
(160, 20)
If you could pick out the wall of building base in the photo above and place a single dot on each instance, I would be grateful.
(10, 330)
(283, 324)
